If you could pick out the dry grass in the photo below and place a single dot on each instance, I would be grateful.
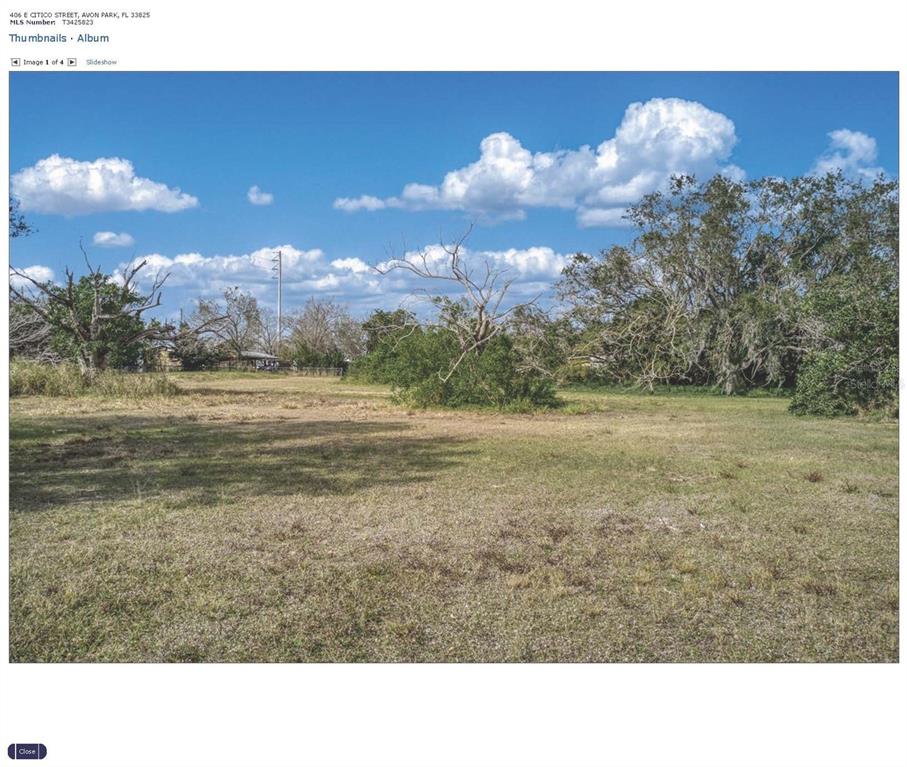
(270, 518)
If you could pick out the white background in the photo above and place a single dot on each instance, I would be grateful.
(823, 715)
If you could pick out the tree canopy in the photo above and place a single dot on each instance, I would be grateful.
(95, 320)
(723, 283)
(776, 283)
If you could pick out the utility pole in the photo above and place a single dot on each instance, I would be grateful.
(278, 268)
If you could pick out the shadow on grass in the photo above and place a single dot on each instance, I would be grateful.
(71, 460)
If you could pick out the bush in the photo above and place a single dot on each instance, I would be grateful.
(414, 365)
(195, 353)
(856, 367)
(832, 383)
(66, 380)
(399, 357)
(303, 356)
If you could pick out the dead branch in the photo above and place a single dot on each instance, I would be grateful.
(478, 315)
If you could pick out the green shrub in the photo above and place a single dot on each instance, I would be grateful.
(832, 383)
(303, 356)
(416, 364)
(856, 367)
(195, 353)
(400, 358)
(66, 380)
(817, 392)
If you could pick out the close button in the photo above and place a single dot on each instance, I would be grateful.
(26, 751)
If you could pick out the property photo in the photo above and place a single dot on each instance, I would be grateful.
(453, 367)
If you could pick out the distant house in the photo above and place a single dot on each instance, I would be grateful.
(249, 360)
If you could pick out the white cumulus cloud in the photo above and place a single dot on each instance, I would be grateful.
(589, 217)
(113, 240)
(37, 272)
(71, 187)
(852, 152)
(349, 280)
(258, 197)
(351, 264)
(365, 202)
(531, 271)
(655, 140)
(536, 261)
(211, 275)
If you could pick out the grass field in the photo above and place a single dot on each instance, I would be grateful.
(272, 518)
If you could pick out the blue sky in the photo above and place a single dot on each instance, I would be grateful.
(358, 163)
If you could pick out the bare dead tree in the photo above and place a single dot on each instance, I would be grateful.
(349, 336)
(479, 313)
(237, 323)
(267, 339)
(324, 327)
(313, 326)
(110, 303)
(29, 334)
(321, 326)
(95, 311)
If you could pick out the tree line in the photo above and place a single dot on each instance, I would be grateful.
(786, 284)
(321, 334)
(96, 322)
(770, 283)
